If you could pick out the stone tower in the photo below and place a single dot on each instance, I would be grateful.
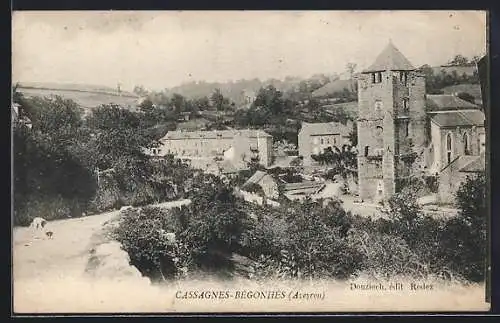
(391, 124)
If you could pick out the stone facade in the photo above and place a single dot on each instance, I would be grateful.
(391, 126)
(238, 146)
(313, 138)
(449, 142)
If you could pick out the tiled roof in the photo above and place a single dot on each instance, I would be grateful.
(440, 102)
(255, 179)
(462, 162)
(390, 59)
(477, 165)
(459, 118)
(303, 186)
(215, 134)
(326, 128)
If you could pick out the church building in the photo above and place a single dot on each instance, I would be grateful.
(403, 132)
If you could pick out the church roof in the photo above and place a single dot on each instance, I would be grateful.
(477, 165)
(440, 102)
(459, 118)
(390, 59)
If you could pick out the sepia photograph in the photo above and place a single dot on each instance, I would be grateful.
(250, 162)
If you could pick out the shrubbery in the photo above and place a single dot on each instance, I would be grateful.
(206, 233)
(309, 239)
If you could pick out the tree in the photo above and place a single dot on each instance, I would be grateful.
(178, 102)
(464, 241)
(217, 100)
(49, 177)
(118, 138)
(140, 90)
(459, 60)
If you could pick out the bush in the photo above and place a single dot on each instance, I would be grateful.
(386, 255)
(432, 183)
(304, 240)
(47, 207)
(143, 235)
(206, 232)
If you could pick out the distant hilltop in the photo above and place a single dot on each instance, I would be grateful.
(75, 87)
(86, 96)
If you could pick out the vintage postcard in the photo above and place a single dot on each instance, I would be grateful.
(250, 161)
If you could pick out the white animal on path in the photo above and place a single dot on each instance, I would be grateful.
(38, 223)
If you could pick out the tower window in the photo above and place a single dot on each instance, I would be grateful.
(406, 130)
(403, 77)
(321, 141)
(377, 77)
(367, 150)
(405, 104)
(466, 144)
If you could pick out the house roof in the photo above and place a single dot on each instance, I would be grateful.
(303, 186)
(441, 102)
(459, 118)
(228, 134)
(474, 166)
(325, 128)
(255, 178)
(390, 59)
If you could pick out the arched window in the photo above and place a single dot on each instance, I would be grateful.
(367, 150)
(466, 144)
(449, 146)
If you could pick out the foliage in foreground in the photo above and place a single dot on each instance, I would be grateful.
(309, 239)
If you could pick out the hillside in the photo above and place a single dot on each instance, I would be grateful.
(472, 89)
(334, 87)
(74, 87)
(237, 90)
(86, 96)
(469, 70)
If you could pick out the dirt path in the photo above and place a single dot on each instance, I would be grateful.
(49, 274)
(36, 256)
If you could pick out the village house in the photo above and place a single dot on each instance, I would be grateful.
(402, 132)
(265, 181)
(313, 138)
(207, 149)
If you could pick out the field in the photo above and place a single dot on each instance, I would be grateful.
(84, 96)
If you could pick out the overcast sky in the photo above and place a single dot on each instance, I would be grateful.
(164, 49)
